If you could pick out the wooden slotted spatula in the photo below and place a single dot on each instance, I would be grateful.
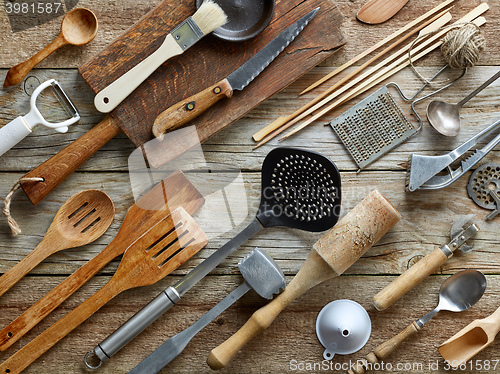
(378, 11)
(159, 251)
(147, 211)
(83, 218)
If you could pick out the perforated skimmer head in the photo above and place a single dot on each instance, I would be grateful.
(300, 189)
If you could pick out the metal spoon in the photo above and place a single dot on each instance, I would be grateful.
(78, 27)
(458, 293)
(445, 118)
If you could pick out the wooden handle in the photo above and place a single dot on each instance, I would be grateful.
(314, 271)
(181, 113)
(43, 307)
(17, 73)
(409, 279)
(60, 166)
(43, 342)
(385, 349)
(111, 96)
(43, 250)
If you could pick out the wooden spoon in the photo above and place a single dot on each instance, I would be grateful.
(146, 212)
(378, 11)
(471, 340)
(83, 218)
(159, 251)
(78, 27)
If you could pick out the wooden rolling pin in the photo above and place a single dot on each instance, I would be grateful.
(330, 256)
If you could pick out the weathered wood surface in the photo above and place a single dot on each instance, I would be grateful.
(427, 215)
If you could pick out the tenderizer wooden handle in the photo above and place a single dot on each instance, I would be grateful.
(409, 279)
(181, 113)
(385, 349)
(331, 255)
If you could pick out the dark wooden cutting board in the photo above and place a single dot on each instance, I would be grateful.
(207, 62)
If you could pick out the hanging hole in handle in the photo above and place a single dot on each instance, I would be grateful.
(327, 355)
(94, 358)
(106, 100)
(10, 334)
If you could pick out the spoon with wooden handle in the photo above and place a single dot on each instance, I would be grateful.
(471, 340)
(147, 211)
(153, 256)
(83, 218)
(378, 11)
(78, 27)
(330, 256)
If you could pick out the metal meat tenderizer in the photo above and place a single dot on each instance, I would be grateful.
(16, 130)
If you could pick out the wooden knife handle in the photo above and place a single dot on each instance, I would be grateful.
(181, 113)
(409, 279)
(385, 349)
(60, 166)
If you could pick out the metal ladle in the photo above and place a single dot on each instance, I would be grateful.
(457, 293)
(445, 118)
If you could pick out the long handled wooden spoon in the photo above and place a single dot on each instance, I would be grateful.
(378, 11)
(78, 27)
(153, 256)
(138, 220)
(471, 340)
(83, 218)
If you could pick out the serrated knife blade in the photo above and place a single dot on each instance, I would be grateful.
(181, 113)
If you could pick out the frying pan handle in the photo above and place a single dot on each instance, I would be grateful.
(60, 166)
(410, 278)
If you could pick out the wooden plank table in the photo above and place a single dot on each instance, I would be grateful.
(290, 344)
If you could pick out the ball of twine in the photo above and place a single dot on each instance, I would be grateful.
(462, 46)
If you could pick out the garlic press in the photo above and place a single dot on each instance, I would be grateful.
(424, 172)
(16, 130)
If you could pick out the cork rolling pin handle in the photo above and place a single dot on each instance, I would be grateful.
(410, 278)
(186, 110)
(385, 349)
(331, 255)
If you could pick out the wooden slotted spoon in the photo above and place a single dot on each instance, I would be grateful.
(378, 11)
(146, 212)
(165, 246)
(83, 218)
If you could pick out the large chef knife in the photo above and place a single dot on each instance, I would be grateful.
(181, 113)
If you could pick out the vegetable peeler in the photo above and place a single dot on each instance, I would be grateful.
(22, 126)
(422, 170)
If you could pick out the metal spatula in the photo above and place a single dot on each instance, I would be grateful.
(300, 189)
(150, 258)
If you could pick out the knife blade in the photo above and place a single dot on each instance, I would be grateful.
(181, 113)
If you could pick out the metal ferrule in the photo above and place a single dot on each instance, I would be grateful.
(447, 250)
(187, 33)
(459, 240)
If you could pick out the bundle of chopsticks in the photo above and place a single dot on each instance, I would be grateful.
(430, 23)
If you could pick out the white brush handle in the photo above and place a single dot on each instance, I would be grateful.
(110, 97)
(12, 133)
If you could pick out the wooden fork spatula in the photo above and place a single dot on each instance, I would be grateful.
(146, 212)
(83, 218)
(159, 251)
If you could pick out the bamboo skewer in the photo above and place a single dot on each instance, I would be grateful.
(378, 45)
(380, 76)
(258, 136)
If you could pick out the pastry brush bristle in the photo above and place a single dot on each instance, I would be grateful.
(209, 16)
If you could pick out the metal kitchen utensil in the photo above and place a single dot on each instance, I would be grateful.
(471, 340)
(189, 108)
(377, 124)
(300, 189)
(461, 231)
(484, 188)
(16, 130)
(343, 327)
(457, 293)
(246, 18)
(83, 218)
(261, 273)
(423, 172)
(153, 256)
(445, 118)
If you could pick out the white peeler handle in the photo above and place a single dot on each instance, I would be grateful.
(12, 133)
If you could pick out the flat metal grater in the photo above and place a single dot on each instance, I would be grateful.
(373, 127)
